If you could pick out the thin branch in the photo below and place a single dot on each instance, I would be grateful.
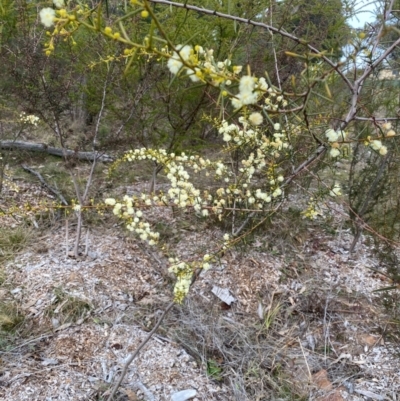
(386, 14)
(317, 153)
(258, 24)
(138, 349)
(376, 118)
(66, 237)
(45, 184)
(382, 57)
(96, 132)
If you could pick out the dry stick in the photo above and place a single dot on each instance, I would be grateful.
(87, 243)
(376, 118)
(305, 360)
(380, 33)
(66, 238)
(138, 349)
(79, 213)
(45, 184)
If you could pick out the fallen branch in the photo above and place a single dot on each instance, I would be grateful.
(41, 147)
(45, 184)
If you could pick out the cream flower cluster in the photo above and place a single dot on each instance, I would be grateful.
(59, 3)
(335, 191)
(249, 134)
(387, 127)
(241, 189)
(376, 144)
(247, 92)
(133, 216)
(200, 65)
(245, 190)
(335, 139)
(47, 17)
(175, 63)
(29, 119)
(183, 272)
(65, 22)
(312, 211)
(182, 192)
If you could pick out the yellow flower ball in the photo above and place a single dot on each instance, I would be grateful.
(144, 14)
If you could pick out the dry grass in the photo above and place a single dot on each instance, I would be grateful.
(12, 241)
(250, 356)
(66, 308)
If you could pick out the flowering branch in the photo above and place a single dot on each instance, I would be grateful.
(270, 28)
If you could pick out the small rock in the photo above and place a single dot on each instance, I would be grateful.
(371, 395)
(48, 361)
(121, 306)
(183, 395)
(93, 255)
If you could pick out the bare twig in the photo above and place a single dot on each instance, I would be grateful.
(386, 14)
(138, 349)
(79, 213)
(45, 184)
(66, 238)
(376, 118)
(87, 242)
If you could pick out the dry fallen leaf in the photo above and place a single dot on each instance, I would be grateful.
(320, 379)
(130, 394)
(369, 340)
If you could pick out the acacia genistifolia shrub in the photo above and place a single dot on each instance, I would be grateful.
(268, 136)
